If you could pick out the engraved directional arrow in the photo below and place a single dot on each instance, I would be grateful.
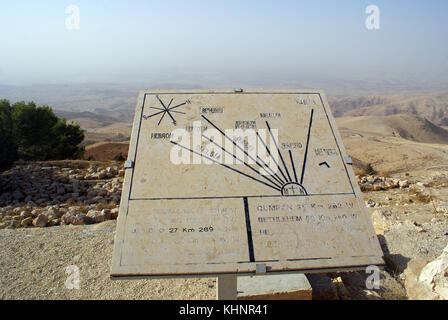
(324, 163)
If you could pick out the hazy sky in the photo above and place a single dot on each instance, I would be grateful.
(132, 40)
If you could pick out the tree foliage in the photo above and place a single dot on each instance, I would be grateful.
(29, 132)
(41, 135)
(8, 148)
(370, 170)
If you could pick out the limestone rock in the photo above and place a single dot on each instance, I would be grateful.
(106, 213)
(442, 207)
(17, 218)
(13, 224)
(435, 275)
(114, 213)
(96, 215)
(404, 184)
(26, 214)
(82, 220)
(371, 203)
(69, 216)
(41, 221)
(54, 213)
(428, 281)
(17, 211)
(416, 290)
(27, 222)
(53, 222)
(111, 171)
(35, 213)
(380, 222)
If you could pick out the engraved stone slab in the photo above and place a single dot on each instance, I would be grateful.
(224, 180)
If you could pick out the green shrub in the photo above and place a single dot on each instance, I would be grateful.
(370, 170)
(41, 135)
(8, 147)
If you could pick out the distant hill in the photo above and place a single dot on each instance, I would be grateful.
(394, 143)
(116, 100)
(430, 106)
(98, 119)
(98, 128)
(406, 126)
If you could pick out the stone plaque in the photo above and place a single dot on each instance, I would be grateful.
(241, 182)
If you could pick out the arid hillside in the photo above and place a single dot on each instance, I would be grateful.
(431, 106)
(394, 144)
(99, 127)
(104, 151)
(406, 126)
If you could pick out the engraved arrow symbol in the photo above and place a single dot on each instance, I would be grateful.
(324, 163)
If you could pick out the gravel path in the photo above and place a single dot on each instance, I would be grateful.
(33, 264)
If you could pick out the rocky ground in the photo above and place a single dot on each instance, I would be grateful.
(411, 222)
(60, 214)
(59, 193)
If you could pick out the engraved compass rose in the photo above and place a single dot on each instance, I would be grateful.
(166, 110)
